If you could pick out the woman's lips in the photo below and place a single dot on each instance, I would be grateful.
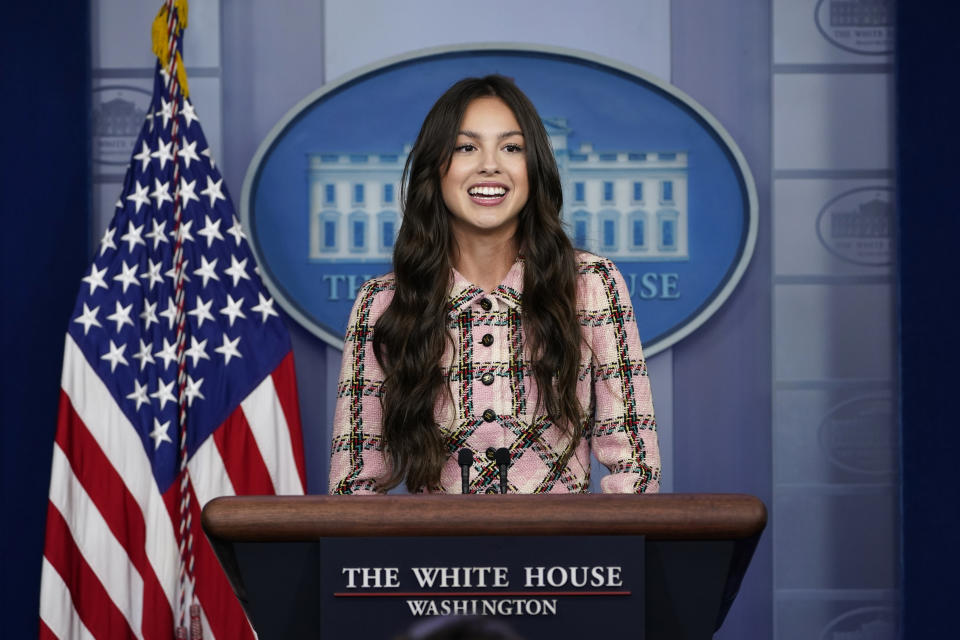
(488, 194)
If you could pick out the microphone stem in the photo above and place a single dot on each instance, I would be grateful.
(503, 462)
(465, 460)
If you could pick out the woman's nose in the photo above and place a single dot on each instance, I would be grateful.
(489, 162)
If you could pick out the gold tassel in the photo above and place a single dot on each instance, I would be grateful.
(159, 36)
(160, 39)
(181, 7)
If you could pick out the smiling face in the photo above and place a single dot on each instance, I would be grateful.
(485, 186)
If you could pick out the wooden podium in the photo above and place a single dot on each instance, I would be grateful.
(697, 546)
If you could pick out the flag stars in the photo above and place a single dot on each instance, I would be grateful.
(197, 350)
(140, 195)
(202, 311)
(166, 111)
(188, 152)
(95, 279)
(149, 314)
(229, 349)
(183, 233)
(170, 313)
(213, 191)
(107, 241)
(160, 433)
(237, 231)
(172, 272)
(237, 270)
(157, 233)
(152, 273)
(121, 315)
(127, 276)
(163, 152)
(139, 394)
(193, 390)
(133, 236)
(187, 193)
(211, 230)
(161, 192)
(264, 308)
(88, 318)
(143, 156)
(233, 310)
(115, 356)
(209, 156)
(168, 354)
(164, 394)
(206, 270)
(144, 357)
(188, 113)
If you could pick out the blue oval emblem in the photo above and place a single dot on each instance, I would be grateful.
(651, 181)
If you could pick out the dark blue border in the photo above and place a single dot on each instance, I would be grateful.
(46, 187)
(929, 226)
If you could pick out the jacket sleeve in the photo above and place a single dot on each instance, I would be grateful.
(357, 463)
(624, 435)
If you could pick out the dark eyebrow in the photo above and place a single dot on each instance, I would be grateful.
(505, 134)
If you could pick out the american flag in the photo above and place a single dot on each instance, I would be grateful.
(113, 565)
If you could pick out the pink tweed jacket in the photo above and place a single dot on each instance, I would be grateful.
(495, 395)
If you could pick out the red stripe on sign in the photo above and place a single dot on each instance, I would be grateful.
(97, 611)
(285, 382)
(474, 594)
(241, 456)
(223, 611)
(119, 510)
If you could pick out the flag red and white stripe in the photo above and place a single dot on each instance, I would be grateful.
(110, 559)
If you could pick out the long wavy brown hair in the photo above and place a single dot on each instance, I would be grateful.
(409, 337)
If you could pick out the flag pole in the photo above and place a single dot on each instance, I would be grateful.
(175, 14)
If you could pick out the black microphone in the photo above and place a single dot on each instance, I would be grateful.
(502, 457)
(465, 460)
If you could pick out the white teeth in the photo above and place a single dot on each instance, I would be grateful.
(487, 191)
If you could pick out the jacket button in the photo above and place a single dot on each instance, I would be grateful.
(485, 304)
(486, 340)
(491, 453)
(487, 378)
(489, 415)
(492, 490)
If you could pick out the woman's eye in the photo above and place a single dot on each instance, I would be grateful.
(464, 147)
(513, 148)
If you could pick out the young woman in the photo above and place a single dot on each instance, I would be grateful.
(492, 333)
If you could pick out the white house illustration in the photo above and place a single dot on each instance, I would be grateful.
(625, 205)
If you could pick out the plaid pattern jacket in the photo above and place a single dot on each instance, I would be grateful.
(495, 394)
